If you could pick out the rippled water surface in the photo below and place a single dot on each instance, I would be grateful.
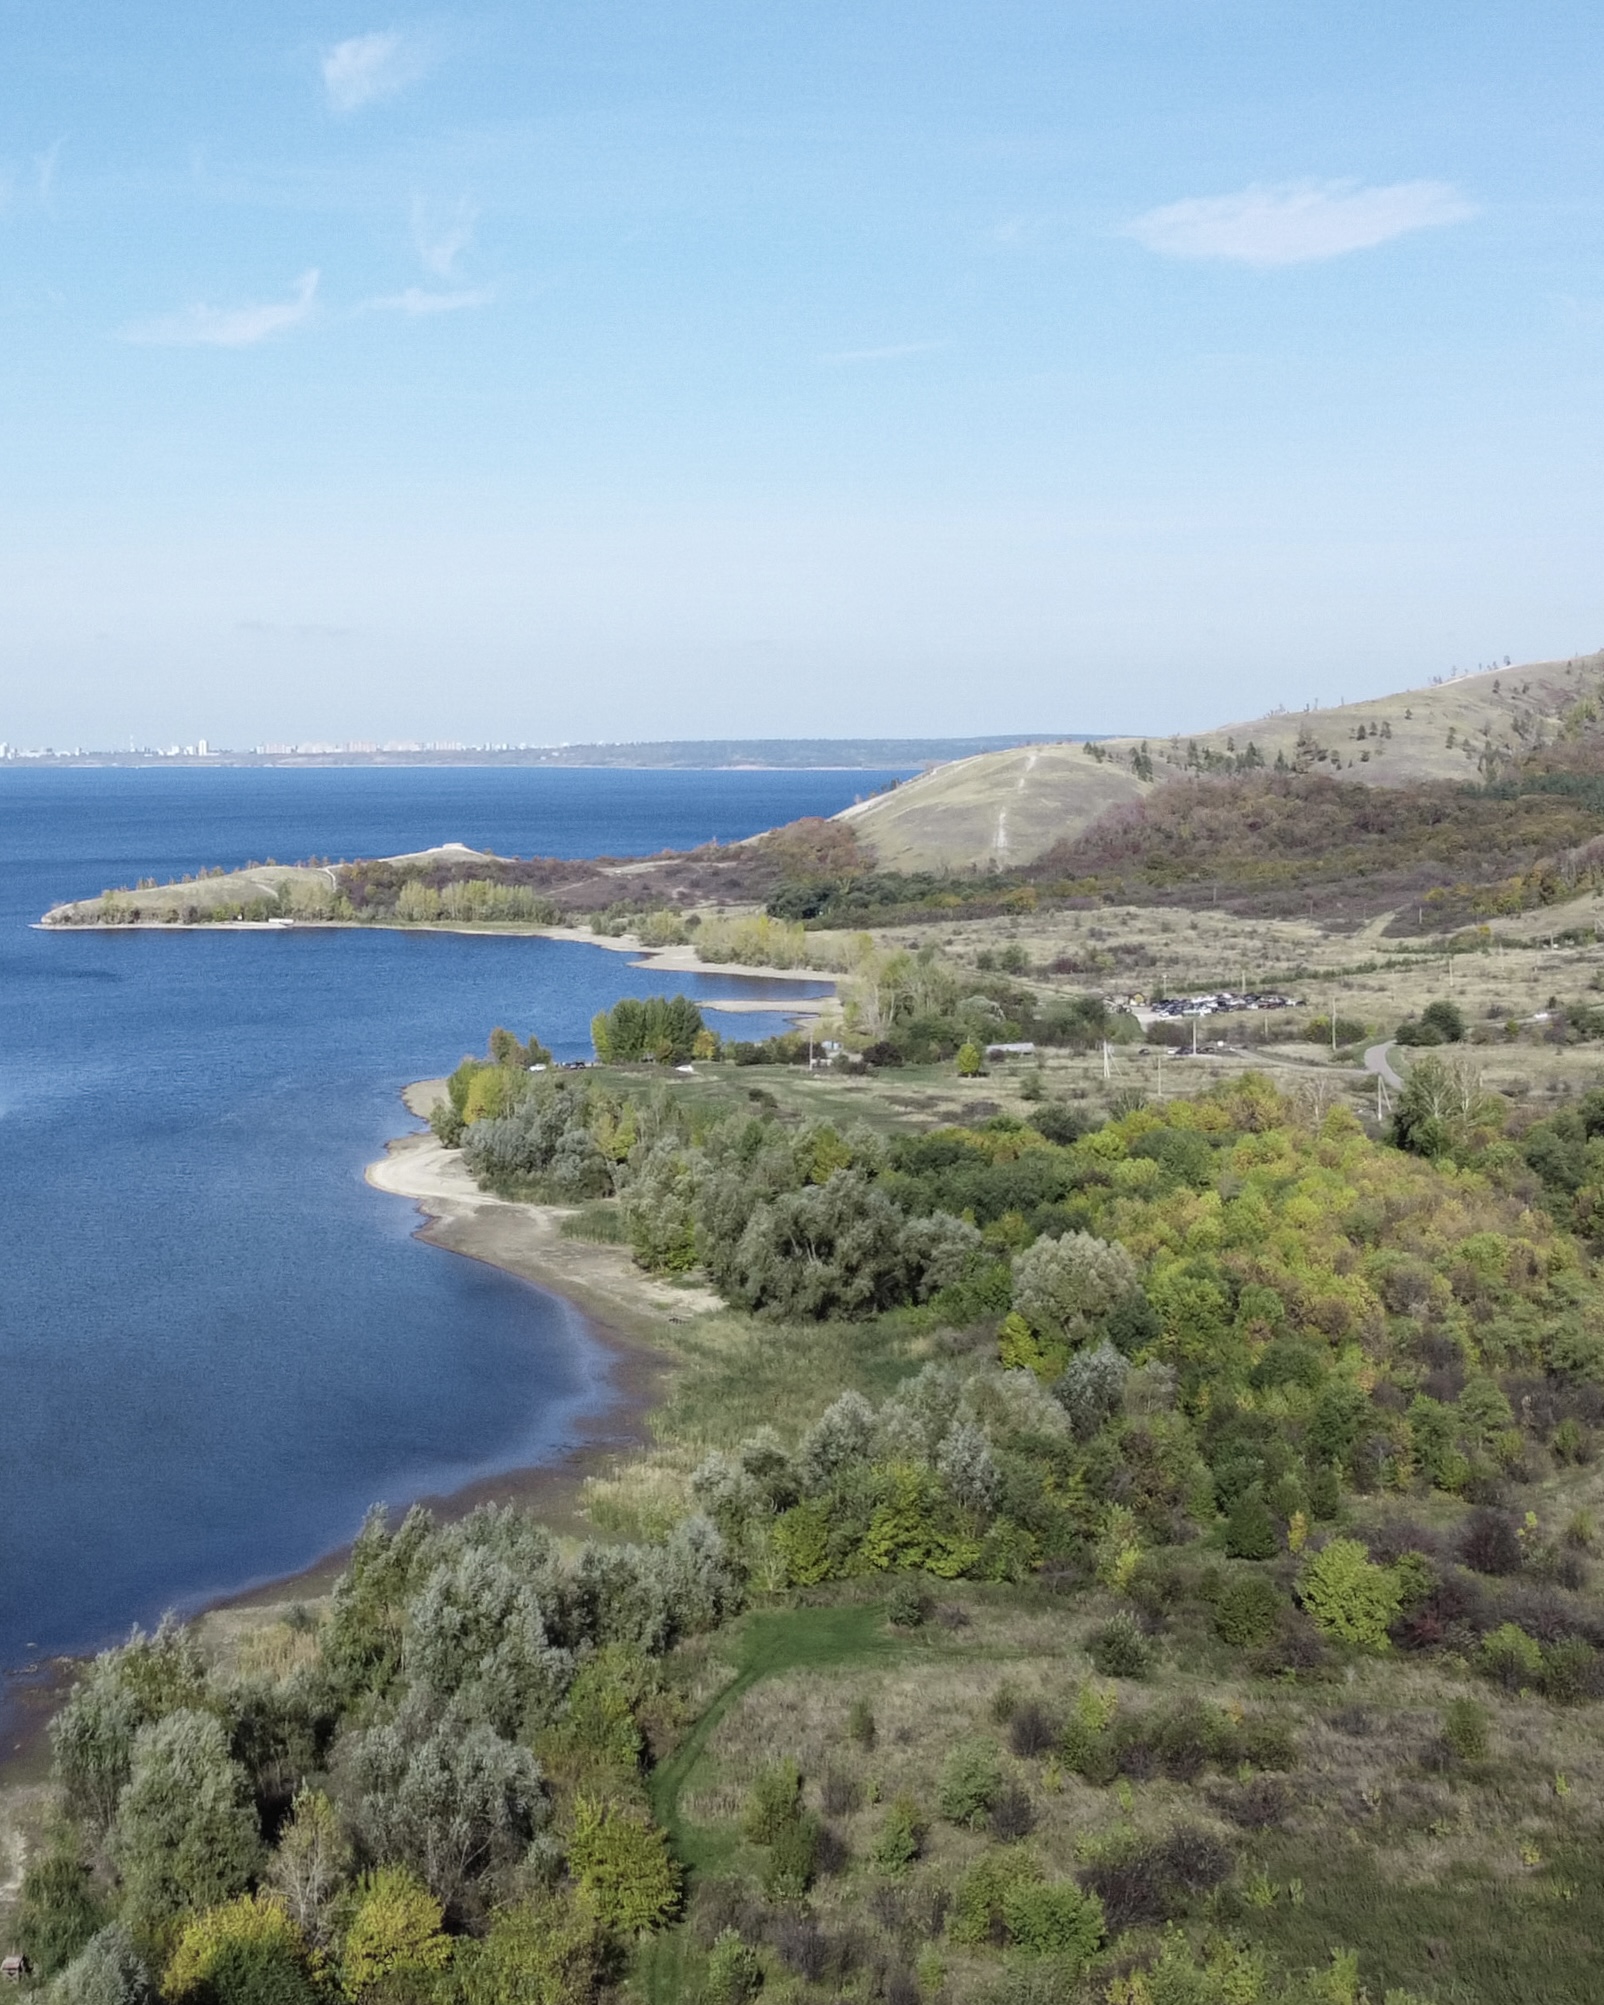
(217, 1344)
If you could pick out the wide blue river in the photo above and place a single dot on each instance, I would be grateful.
(218, 1345)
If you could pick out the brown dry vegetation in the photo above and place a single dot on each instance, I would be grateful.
(1004, 809)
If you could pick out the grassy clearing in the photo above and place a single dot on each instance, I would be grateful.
(1511, 1931)
(735, 1378)
(767, 1644)
(1460, 1881)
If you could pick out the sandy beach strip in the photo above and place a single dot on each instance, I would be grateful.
(526, 1239)
(622, 1306)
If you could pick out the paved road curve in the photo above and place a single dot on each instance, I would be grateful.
(1376, 1061)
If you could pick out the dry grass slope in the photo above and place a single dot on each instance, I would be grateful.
(1008, 807)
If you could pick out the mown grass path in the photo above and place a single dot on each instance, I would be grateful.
(768, 1643)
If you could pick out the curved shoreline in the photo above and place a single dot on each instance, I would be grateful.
(650, 960)
(622, 1307)
(680, 960)
(524, 1239)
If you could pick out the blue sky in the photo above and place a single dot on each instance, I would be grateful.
(567, 372)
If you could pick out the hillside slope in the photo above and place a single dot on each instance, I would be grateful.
(1007, 808)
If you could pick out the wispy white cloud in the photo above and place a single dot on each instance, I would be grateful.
(1297, 222)
(229, 326)
(894, 353)
(417, 302)
(365, 68)
(441, 240)
(44, 168)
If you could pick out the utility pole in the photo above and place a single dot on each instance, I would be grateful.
(1105, 1061)
(1333, 1023)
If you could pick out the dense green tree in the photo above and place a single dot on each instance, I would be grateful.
(660, 1029)
(1447, 1019)
(92, 1737)
(832, 1249)
(277, 1731)
(660, 1209)
(476, 1636)
(108, 1970)
(1349, 1595)
(542, 1143)
(1054, 1919)
(1442, 1107)
(941, 1252)
(621, 1860)
(445, 1800)
(546, 1950)
(367, 1613)
(394, 1932)
(1092, 1387)
(649, 1596)
(968, 1468)
(1250, 1530)
(185, 1836)
(244, 1952)
(506, 1049)
(971, 1781)
(58, 1910)
(837, 1441)
(1062, 1285)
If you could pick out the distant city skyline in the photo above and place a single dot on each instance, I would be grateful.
(894, 751)
(595, 374)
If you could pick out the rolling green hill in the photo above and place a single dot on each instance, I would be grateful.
(1007, 808)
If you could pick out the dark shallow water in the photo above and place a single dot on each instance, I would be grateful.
(217, 1344)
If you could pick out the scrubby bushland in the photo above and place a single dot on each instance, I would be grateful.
(1193, 1289)
(1262, 841)
(1166, 1388)
(459, 1747)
